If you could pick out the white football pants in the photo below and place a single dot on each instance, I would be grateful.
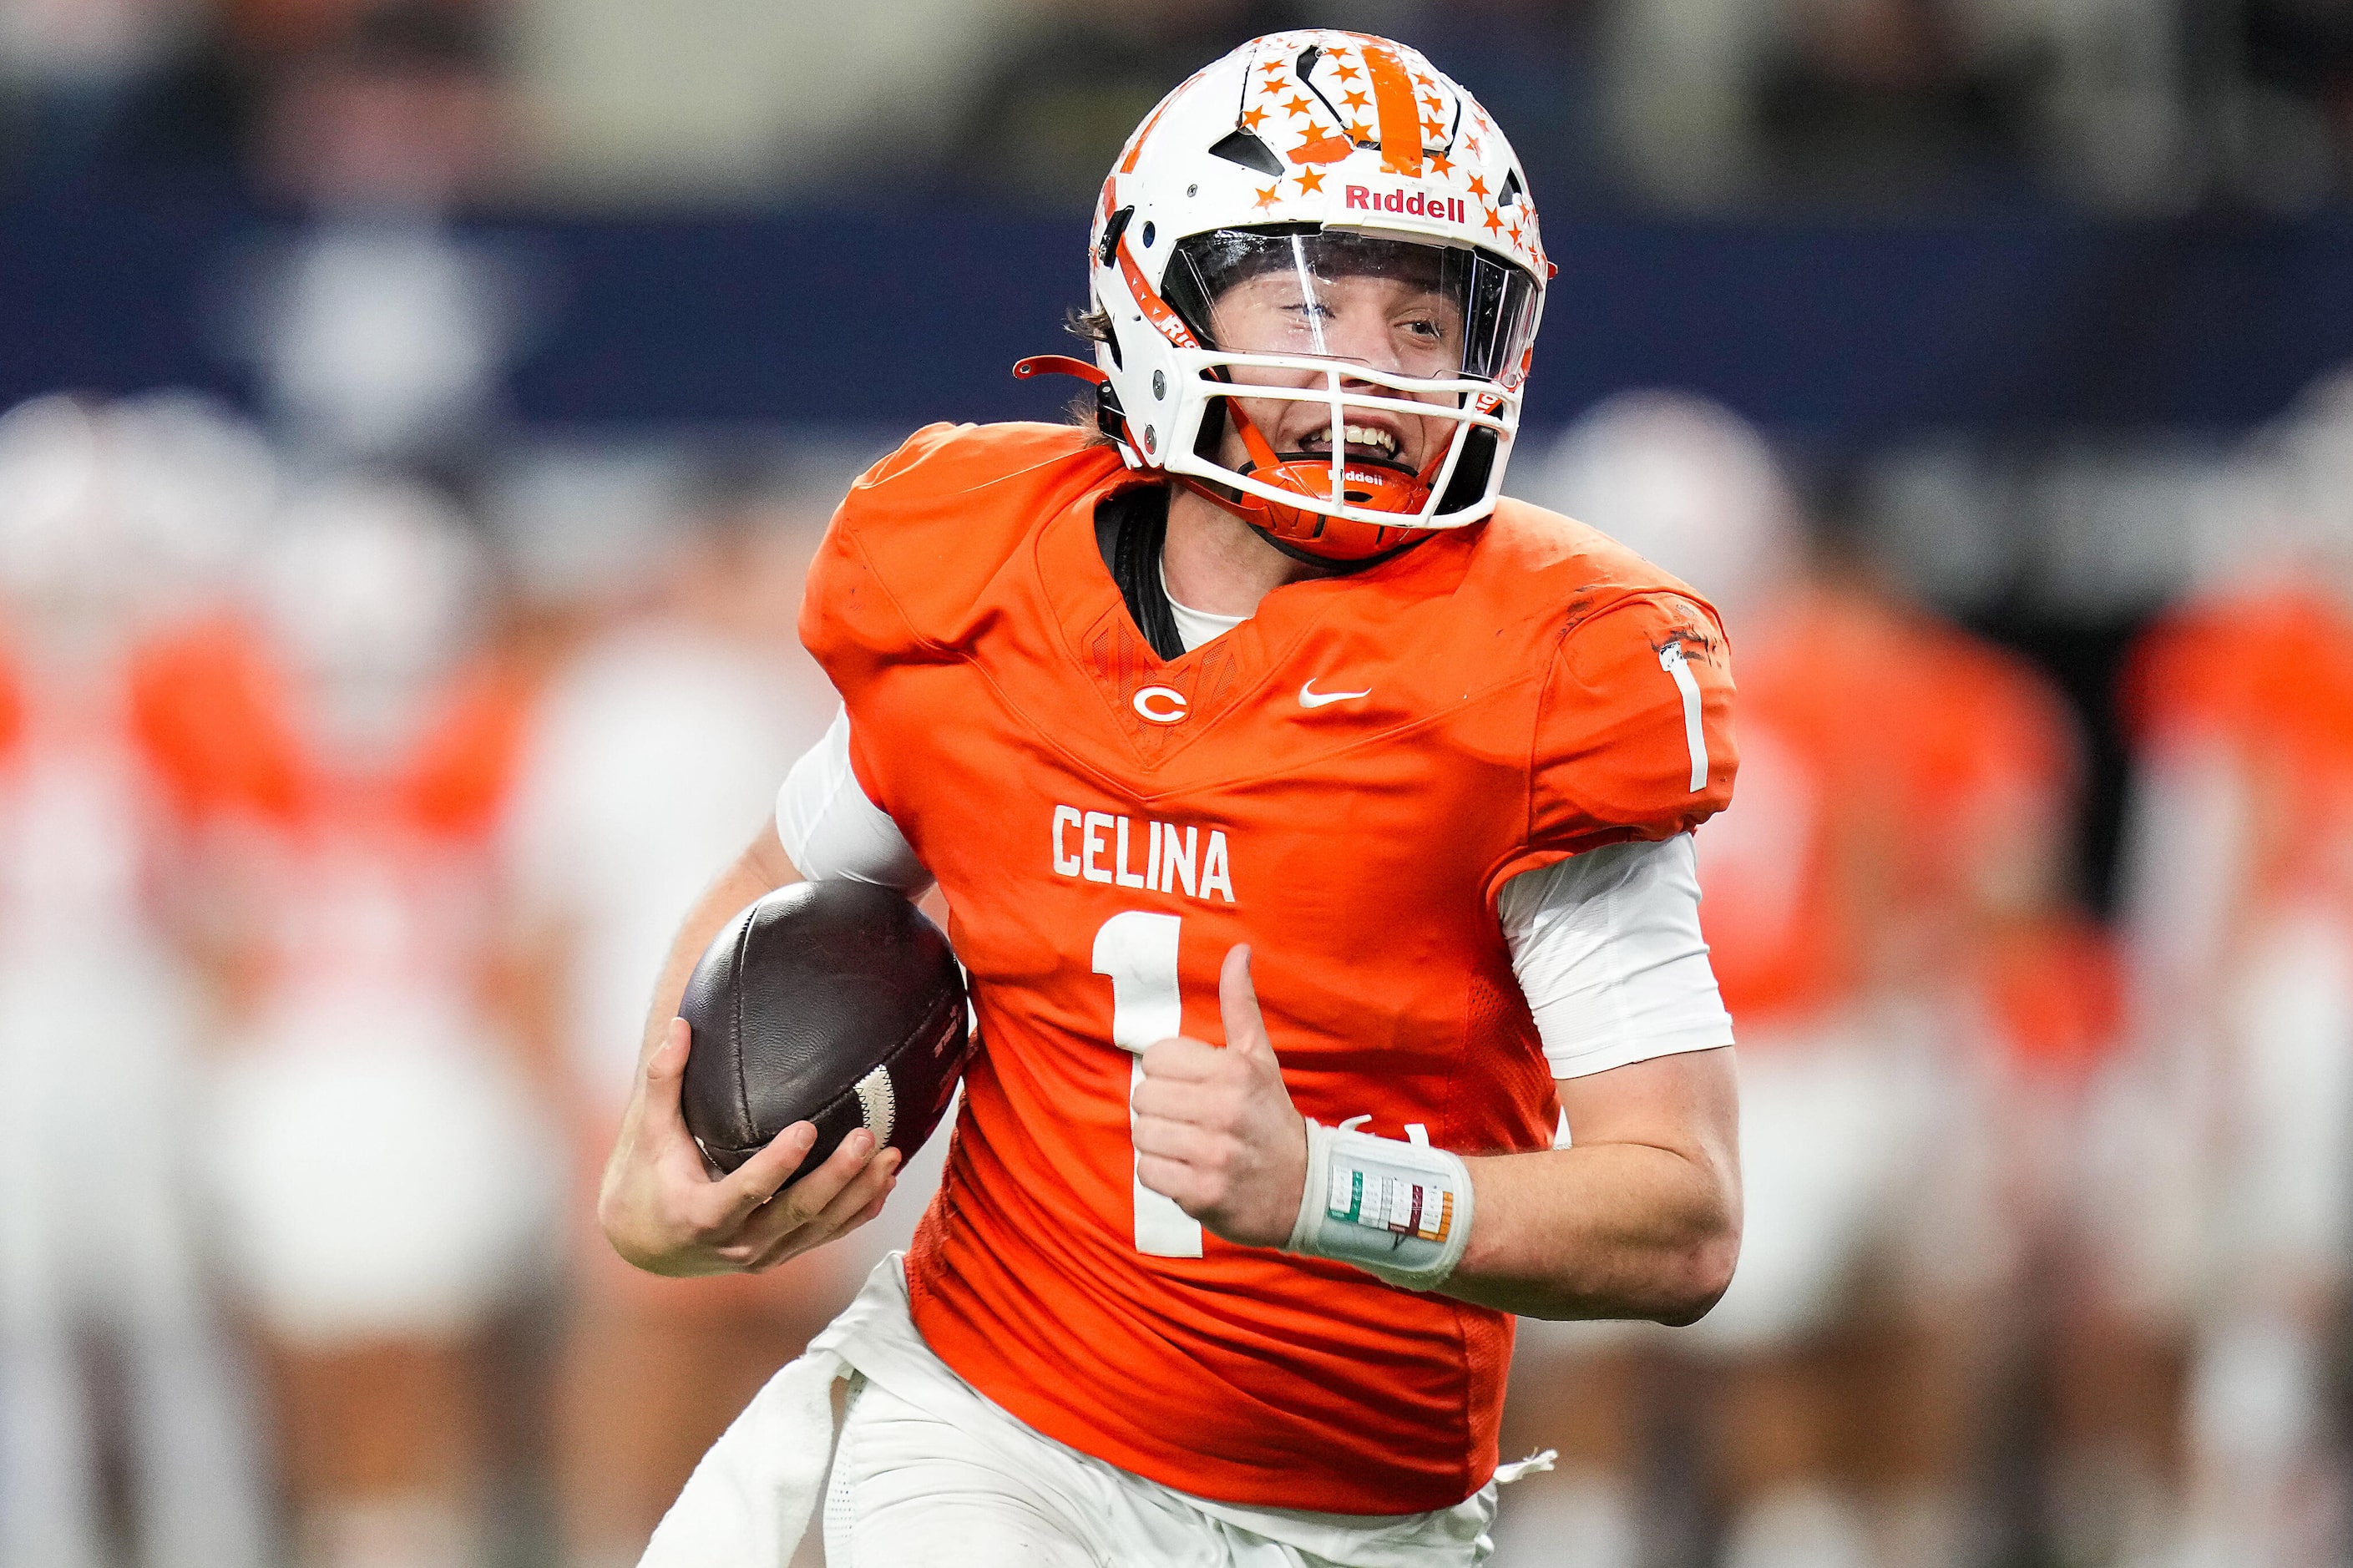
(910, 1488)
(100, 1241)
(928, 1471)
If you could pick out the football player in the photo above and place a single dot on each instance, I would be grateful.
(118, 524)
(2219, 1208)
(1318, 830)
(349, 743)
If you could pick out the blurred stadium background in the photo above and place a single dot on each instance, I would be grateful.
(418, 417)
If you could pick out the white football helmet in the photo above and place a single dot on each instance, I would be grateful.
(1299, 162)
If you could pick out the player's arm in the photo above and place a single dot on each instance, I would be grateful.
(1639, 1218)
(659, 1207)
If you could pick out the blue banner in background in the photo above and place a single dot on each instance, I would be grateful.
(1844, 333)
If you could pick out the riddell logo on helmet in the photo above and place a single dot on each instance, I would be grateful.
(1365, 198)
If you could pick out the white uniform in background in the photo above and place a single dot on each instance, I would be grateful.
(654, 758)
(388, 1173)
(106, 517)
(2218, 1148)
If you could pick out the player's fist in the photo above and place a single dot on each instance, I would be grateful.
(661, 1211)
(1215, 1129)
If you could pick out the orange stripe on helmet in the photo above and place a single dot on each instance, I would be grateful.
(1156, 310)
(1399, 109)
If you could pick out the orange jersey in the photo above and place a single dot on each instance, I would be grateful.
(1889, 759)
(2265, 677)
(1343, 781)
(340, 870)
(213, 705)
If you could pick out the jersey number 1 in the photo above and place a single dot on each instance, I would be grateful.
(1138, 952)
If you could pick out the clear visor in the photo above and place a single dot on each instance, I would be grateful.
(1405, 307)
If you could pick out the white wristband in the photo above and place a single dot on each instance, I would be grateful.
(1399, 1211)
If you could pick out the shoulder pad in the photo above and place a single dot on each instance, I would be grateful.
(1633, 730)
(1554, 568)
(923, 530)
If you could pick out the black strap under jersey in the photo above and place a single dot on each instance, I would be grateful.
(1131, 525)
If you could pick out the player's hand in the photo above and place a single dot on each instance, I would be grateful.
(662, 1212)
(1215, 1129)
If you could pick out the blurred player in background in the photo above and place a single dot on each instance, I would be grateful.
(654, 753)
(1252, 690)
(380, 1152)
(1902, 791)
(2207, 1388)
(115, 522)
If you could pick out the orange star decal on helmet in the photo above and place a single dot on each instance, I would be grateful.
(1358, 132)
(1297, 105)
(1266, 198)
(1471, 142)
(1273, 70)
(1252, 118)
(1353, 100)
(1313, 180)
(1478, 185)
(1348, 73)
(1493, 223)
(1442, 163)
(1516, 233)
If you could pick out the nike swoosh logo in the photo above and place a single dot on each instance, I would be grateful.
(1311, 698)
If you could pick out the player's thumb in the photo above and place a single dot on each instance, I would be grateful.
(1238, 1004)
(665, 1075)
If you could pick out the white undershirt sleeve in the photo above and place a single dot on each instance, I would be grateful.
(832, 831)
(1608, 953)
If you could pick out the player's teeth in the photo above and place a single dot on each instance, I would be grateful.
(1359, 436)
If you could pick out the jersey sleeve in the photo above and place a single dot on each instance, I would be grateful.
(851, 622)
(1632, 733)
(832, 830)
(920, 535)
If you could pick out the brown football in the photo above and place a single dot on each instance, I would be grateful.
(836, 1002)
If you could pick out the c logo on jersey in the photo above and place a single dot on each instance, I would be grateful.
(1161, 704)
